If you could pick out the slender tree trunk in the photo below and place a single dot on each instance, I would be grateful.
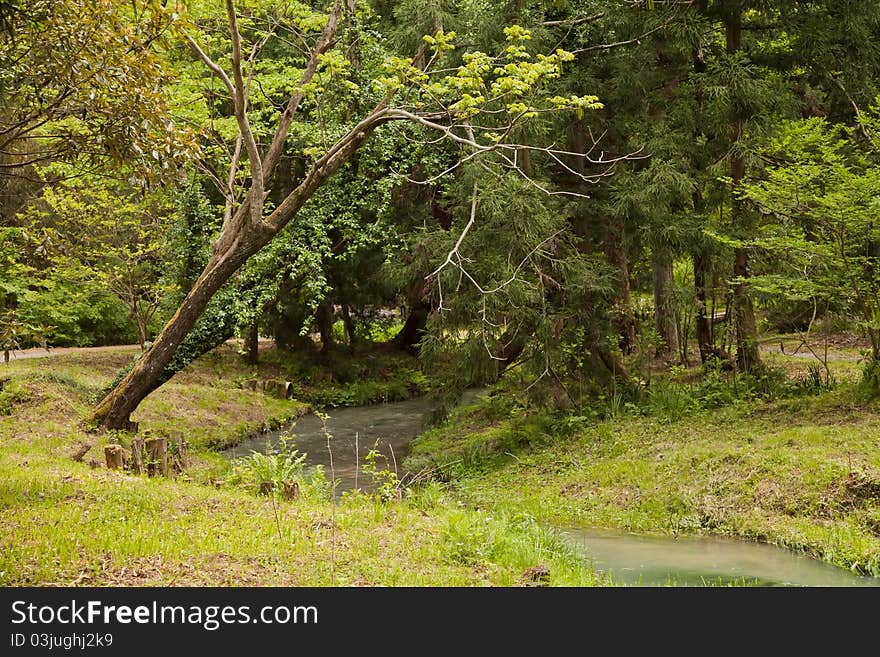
(704, 332)
(703, 326)
(615, 254)
(747, 356)
(252, 343)
(348, 323)
(664, 308)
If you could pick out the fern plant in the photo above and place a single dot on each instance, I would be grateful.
(274, 466)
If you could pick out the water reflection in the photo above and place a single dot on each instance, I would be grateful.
(696, 561)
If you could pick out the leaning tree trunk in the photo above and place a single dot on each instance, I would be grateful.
(237, 242)
(747, 356)
(115, 409)
(324, 318)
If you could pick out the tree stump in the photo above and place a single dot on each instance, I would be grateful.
(137, 455)
(157, 456)
(291, 490)
(267, 487)
(114, 456)
(288, 389)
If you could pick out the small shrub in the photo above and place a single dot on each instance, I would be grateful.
(387, 484)
(870, 381)
(12, 395)
(672, 400)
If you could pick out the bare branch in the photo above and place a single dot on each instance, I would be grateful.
(858, 112)
(210, 63)
(619, 44)
(257, 195)
(229, 192)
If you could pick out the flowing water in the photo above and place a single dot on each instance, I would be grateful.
(628, 558)
(389, 428)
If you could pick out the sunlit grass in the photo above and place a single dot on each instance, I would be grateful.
(70, 523)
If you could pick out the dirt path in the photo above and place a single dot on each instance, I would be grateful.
(39, 352)
(792, 350)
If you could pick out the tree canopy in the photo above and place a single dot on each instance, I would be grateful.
(564, 188)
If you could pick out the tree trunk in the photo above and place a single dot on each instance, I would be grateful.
(615, 254)
(413, 329)
(324, 318)
(252, 344)
(348, 323)
(747, 357)
(664, 307)
(246, 232)
(704, 333)
(143, 330)
(237, 242)
(114, 410)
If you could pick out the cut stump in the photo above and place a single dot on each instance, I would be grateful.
(114, 456)
(157, 456)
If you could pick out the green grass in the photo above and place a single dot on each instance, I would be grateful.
(70, 523)
(801, 472)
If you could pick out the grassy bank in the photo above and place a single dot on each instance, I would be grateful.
(801, 471)
(790, 463)
(77, 523)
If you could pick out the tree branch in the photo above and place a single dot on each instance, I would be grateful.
(575, 21)
(210, 63)
(257, 194)
(619, 44)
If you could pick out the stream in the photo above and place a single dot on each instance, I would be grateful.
(390, 428)
(629, 559)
